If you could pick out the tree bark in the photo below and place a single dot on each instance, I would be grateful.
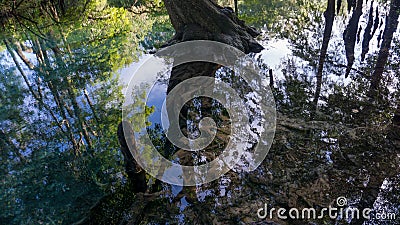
(205, 20)
(338, 6)
(236, 8)
(271, 78)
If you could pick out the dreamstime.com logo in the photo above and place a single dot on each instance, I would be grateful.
(237, 151)
(344, 212)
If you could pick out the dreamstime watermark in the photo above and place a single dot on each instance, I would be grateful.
(341, 211)
(237, 150)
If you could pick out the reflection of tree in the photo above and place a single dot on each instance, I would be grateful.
(63, 107)
(350, 34)
(71, 97)
(390, 28)
(272, 14)
(60, 75)
(311, 162)
(329, 15)
(136, 175)
(212, 22)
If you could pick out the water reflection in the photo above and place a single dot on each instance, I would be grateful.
(315, 157)
(198, 116)
(313, 161)
(58, 121)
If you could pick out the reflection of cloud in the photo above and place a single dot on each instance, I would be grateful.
(275, 51)
(174, 173)
(127, 72)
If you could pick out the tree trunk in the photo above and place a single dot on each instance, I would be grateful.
(383, 55)
(329, 18)
(271, 78)
(136, 175)
(205, 20)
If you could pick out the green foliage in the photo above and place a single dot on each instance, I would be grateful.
(38, 17)
(111, 40)
(265, 13)
(73, 95)
(135, 3)
(49, 188)
(284, 19)
(45, 180)
(11, 98)
(138, 111)
(161, 32)
(294, 92)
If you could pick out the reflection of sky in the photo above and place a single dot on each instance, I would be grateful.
(158, 91)
(127, 72)
(156, 98)
(274, 51)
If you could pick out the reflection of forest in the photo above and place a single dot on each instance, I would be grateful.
(337, 97)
